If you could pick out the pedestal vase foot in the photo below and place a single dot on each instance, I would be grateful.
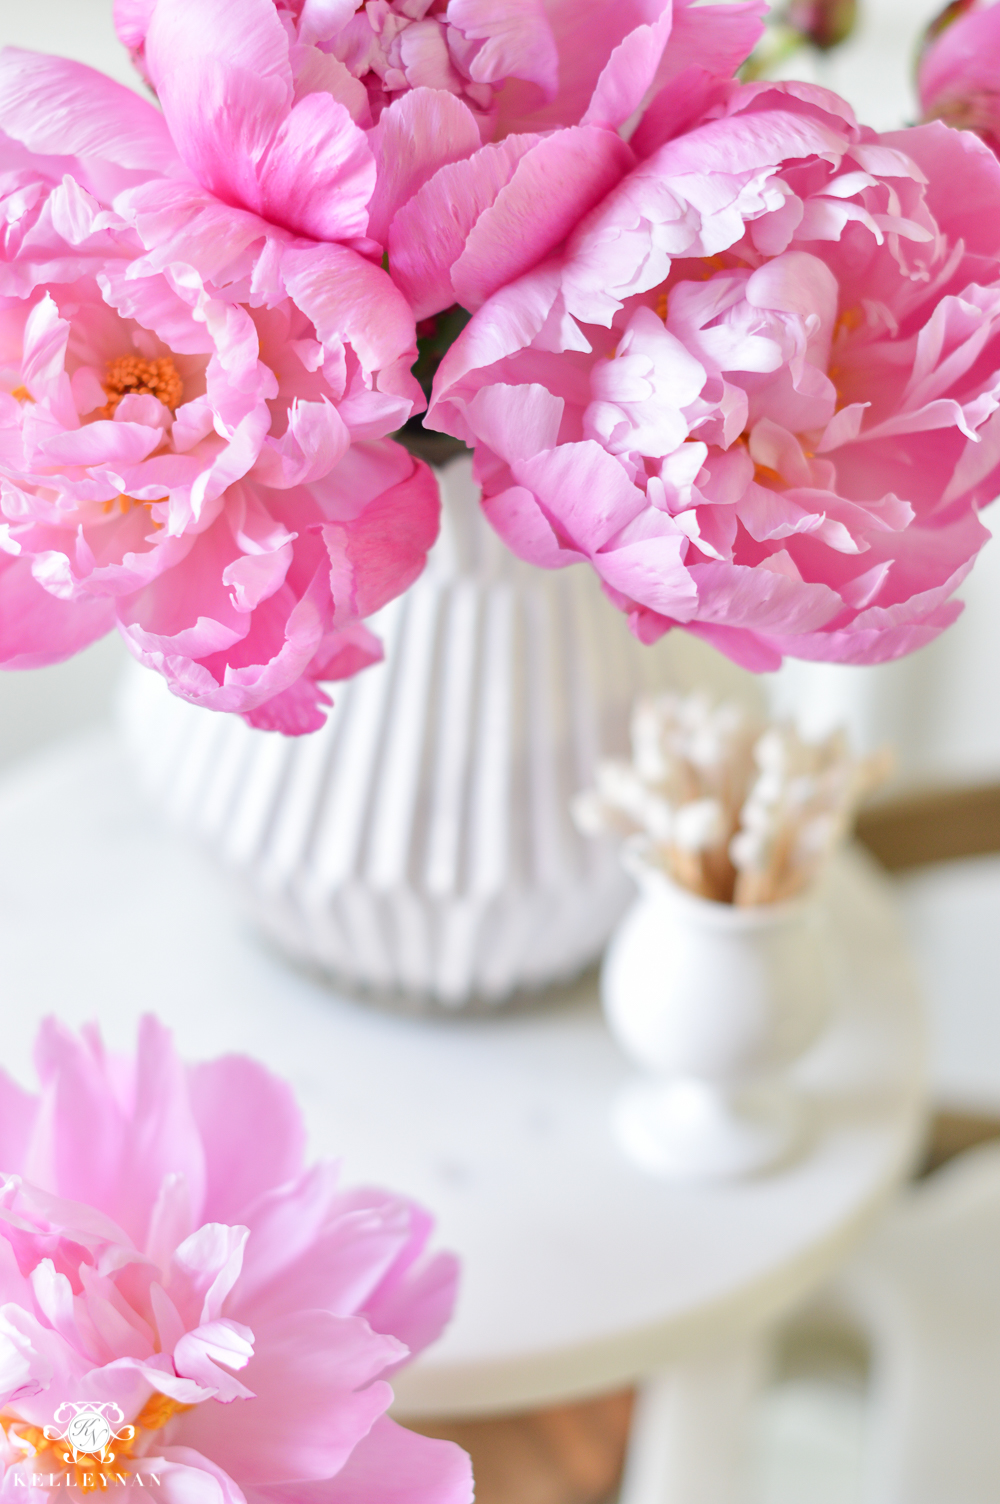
(693, 1130)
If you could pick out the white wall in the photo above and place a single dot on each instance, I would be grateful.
(81, 29)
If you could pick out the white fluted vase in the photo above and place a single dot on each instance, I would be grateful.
(420, 846)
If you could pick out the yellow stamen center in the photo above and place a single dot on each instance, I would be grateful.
(155, 1413)
(154, 378)
(847, 322)
(21, 394)
(126, 503)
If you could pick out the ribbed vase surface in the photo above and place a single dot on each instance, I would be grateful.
(420, 847)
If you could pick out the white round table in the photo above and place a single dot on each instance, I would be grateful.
(580, 1273)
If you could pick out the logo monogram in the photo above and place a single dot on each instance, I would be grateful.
(88, 1428)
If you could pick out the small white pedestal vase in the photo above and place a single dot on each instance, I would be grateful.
(715, 1003)
(419, 848)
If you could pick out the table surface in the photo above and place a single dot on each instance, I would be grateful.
(579, 1272)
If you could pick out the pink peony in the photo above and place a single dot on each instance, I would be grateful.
(461, 232)
(422, 86)
(757, 387)
(195, 391)
(515, 64)
(370, 54)
(165, 1256)
(958, 77)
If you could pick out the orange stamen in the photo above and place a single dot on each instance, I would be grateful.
(126, 503)
(154, 378)
(847, 322)
(155, 1413)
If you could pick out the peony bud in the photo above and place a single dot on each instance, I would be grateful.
(958, 72)
(823, 23)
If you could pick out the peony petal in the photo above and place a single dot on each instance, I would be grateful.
(743, 647)
(511, 321)
(132, 18)
(652, 573)
(26, 1359)
(390, 1465)
(103, 443)
(517, 41)
(717, 38)
(586, 33)
(629, 73)
(18, 1109)
(251, 1131)
(961, 60)
(762, 139)
(314, 441)
(377, 555)
(552, 187)
(415, 1305)
(198, 1355)
(733, 595)
(319, 20)
(37, 628)
(286, 1222)
(527, 531)
(516, 421)
(315, 1377)
(77, 1144)
(429, 233)
(328, 1250)
(63, 108)
(179, 1475)
(584, 490)
(204, 1269)
(318, 173)
(422, 130)
(221, 71)
(349, 299)
(297, 710)
(225, 82)
(163, 1138)
(321, 73)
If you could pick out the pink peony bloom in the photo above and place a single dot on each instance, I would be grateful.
(958, 77)
(515, 64)
(758, 387)
(166, 1256)
(461, 232)
(422, 86)
(368, 55)
(193, 396)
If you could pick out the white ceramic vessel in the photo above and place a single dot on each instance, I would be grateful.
(714, 1002)
(420, 847)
